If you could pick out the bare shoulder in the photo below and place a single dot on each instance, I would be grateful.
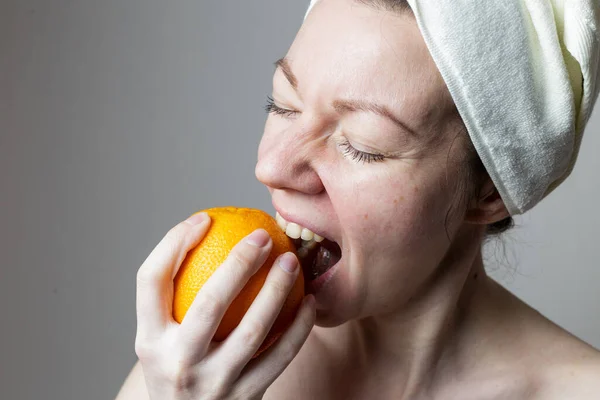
(577, 379)
(549, 362)
(569, 367)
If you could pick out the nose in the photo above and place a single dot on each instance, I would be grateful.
(286, 162)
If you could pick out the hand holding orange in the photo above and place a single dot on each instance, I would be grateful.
(229, 225)
(216, 291)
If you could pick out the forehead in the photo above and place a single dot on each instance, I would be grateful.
(348, 50)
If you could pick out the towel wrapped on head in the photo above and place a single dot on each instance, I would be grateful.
(524, 75)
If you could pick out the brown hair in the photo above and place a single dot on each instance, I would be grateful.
(387, 5)
(473, 176)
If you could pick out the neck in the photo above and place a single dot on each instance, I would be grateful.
(410, 344)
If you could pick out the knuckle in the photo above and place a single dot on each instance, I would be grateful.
(241, 258)
(174, 237)
(183, 380)
(212, 305)
(179, 376)
(143, 349)
(253, 332)
(186, 383)
(278, 289)
(145, 276)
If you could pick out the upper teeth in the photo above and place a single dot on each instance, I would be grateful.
(296, 231)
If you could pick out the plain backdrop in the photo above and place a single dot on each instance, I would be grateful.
(119, 118)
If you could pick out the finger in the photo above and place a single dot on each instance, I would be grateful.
(247, 337)
(213, 299)
(155, 276)
(262, 371)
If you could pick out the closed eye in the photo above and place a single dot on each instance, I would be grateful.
(349, 150)
(273, 108)
(358, 155)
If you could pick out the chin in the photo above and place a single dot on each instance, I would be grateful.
(327, 319)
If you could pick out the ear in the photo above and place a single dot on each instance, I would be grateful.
(488, 207)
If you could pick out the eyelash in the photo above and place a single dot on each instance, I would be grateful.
(349, 150)
(273, 108)
(360, 156)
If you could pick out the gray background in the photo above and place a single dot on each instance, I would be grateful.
(120, 118)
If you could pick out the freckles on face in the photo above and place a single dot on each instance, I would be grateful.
(393, 240)
(389, 215)
(386, 208)
(393, 222)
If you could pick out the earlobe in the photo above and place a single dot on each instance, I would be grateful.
(488, 208)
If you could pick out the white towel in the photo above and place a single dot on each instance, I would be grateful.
(524, 75)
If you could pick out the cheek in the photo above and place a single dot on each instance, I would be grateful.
(395, 213)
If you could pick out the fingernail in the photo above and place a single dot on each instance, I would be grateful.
(258, 238)
(288, 262)
(197, 218)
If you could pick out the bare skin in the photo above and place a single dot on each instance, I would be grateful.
(489, 356)
(410, 312)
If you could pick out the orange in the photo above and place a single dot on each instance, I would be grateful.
(230, 225)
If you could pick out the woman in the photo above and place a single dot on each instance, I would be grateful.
(379, 139)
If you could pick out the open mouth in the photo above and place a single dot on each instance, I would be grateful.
(316, 253)
(317, 258)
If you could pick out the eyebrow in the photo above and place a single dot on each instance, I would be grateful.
(344, 106)
(287, 71)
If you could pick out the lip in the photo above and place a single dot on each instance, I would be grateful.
(318, 285)
(305, 224)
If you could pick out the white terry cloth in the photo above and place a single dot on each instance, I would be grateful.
(524, 75)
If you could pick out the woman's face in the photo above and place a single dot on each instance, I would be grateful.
(357, 79)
